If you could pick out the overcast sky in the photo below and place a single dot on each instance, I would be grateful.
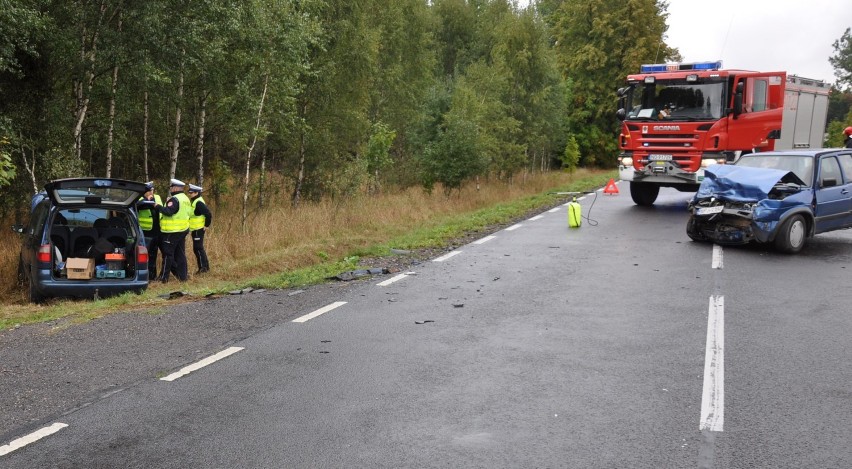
(795, 36)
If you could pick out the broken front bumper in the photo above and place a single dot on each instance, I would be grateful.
(729, 227)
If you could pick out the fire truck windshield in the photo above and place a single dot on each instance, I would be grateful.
(676, 100)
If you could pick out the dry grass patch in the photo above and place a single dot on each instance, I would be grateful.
(279, 240)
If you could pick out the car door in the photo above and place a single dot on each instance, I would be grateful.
(833, 196)
(846, 166)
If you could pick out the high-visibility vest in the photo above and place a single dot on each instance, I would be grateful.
(196, 222)
(146, 220)
(179, 221)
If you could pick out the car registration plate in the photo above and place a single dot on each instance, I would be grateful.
(656, 157)
(709, 210)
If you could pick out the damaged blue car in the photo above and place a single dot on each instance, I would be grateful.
(780, 198)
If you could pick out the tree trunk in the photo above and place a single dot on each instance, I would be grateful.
(251, 148)
(202, 121)
(145, 137)
(111, 132)
(83, 87)
(300, 176)
(30, 169)
(176, 140)
(260, 191)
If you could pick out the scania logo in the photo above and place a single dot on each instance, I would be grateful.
(666, 127)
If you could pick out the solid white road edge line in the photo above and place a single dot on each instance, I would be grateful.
(717, 256)
(553, 210)
(514, 227)
(320, 311)
(31, 438)
(484, 240)
(537, 217)
(713, 396)
(391, 280)
(446, 256)
(581, 198)
(202, 363)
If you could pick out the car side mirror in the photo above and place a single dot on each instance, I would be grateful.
(829, 182)
(738, 100)
(18, 229)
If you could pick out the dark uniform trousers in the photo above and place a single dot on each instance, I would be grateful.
(153, 241)
(200, 252)
(174, 253)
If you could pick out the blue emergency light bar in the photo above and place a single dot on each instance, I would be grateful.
(678, 67)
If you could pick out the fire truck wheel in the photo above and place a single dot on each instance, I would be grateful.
(644, 194)
(791, 236)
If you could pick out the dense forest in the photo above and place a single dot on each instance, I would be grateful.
(327, 96)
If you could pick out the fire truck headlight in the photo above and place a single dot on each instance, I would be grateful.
(626, 161)
(707, 162)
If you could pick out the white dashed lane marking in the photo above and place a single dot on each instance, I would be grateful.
(713, 395)
(537, 217)
(446, 256)
(202, 363)
(484, 240)
(514, 227)
(320, 311)
(717, 256)
(31, 438)
(391, 280)
(553, 210)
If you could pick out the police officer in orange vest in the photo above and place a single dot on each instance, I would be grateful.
(174, 225)
(198, 224)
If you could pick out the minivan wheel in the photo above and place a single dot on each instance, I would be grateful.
(791, 236)
(22, 275)
(32, 294)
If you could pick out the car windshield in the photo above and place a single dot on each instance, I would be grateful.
(801, 166)
(676, 100)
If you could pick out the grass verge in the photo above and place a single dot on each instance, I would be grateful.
(338, 248)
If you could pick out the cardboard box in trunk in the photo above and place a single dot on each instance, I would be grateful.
(80, 268)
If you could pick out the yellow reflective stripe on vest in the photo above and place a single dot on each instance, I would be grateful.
(179, 221)
(146, 221)
(196, 222)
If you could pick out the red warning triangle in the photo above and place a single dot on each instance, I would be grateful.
(610, 187)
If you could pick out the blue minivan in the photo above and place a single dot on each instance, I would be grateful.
(83, 240)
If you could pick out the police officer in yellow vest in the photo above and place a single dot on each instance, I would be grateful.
(149, 220)
(198, 223)
(174, 225)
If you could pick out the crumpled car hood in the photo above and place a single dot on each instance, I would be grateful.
(742, 183)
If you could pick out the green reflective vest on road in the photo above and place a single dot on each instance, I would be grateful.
(179, 221)
(196, 222)
(146, 220)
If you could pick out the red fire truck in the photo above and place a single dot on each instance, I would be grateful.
(678, 119)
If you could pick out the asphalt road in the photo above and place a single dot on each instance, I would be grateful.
(543, 346)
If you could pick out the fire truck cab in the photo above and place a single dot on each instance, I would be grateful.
(677, 119)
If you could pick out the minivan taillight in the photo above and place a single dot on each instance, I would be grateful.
(43, 253)
(141, 256)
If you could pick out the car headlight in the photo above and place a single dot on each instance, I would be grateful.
(626, 161)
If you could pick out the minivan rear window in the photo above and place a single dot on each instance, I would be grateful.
(95, 195)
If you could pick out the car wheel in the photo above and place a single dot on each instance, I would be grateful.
(792, 234)
(693, 232)
(644, 194)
